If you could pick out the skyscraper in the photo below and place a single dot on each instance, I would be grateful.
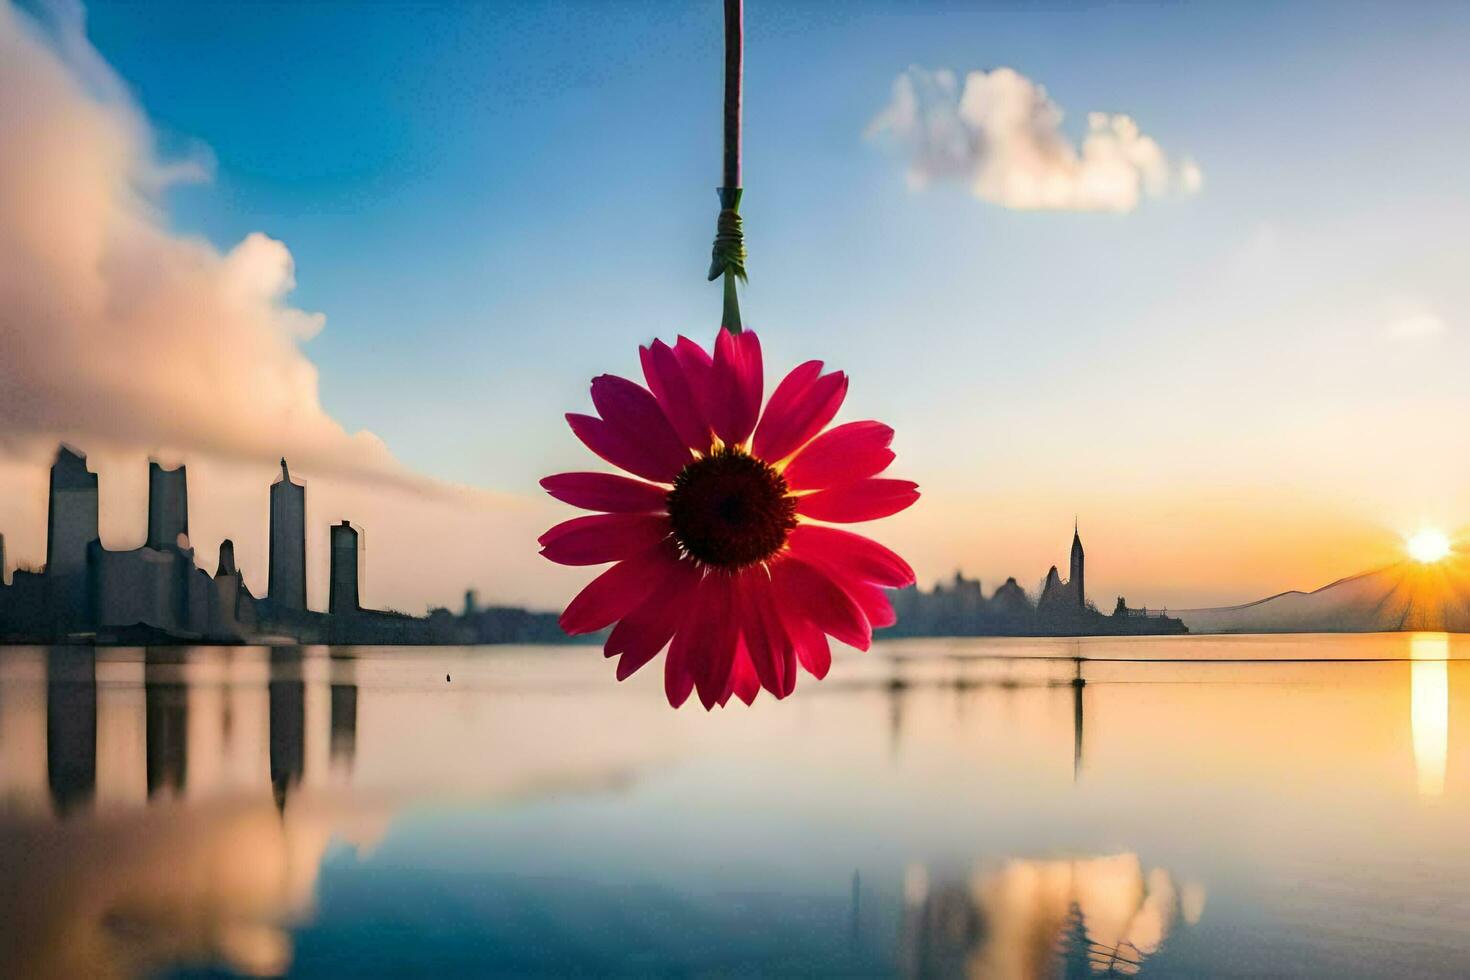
(286, 586)
(71, 527)
(168, 507)
(343, 598)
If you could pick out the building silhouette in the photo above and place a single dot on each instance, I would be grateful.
(342, 599)
(236, 612)
(71, 528)
(1064, 600)
(1078, 579)
(959, 608)
(157, 594)
(168, 507)
(158, 587)
(286, 586)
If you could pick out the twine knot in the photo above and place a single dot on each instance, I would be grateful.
(729, 248)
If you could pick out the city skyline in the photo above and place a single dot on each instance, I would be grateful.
(159, 593)
(1241, 384)
(86, 589)
(85, 586)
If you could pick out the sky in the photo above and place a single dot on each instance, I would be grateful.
(1192, 274)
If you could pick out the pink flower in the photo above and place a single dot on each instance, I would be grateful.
(715, 550)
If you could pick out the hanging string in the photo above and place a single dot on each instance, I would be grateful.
(727, 258)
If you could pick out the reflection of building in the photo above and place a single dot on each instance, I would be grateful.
(213, 876)
(288, 724)
(166, 713)
(342, 749)
(1061, 608)
(150, 891)
(71, 729)
(1096, 916)
(119, 733)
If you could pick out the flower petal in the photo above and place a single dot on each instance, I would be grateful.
(629, 454)
(870, 598)
(797, 381)
(809, 642)
(798, 412)
(848, 452)
(733, 401)
(599, 538)
(744, 683)
(716, 635)
(634, 413)
(873, 601)
(807, 590)
(619, 590)
(698, 367)
(861, 558)
(703, 649)
(766, 641)
(862, 500)
(641, 634)
(675, 394)
(678, 682)
(607, 492)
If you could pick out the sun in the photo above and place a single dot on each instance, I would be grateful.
(1428, 546)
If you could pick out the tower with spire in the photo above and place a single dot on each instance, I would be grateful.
(286, 586)
(1075, 582)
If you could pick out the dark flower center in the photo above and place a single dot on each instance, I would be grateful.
(730, 509)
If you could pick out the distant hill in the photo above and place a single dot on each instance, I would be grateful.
(1403, 596)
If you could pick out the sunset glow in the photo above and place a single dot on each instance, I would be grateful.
(1428, 546)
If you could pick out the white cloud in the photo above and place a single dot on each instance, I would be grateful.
(125, 338)
(1001, 135)
(1417, 326)
(114, 326)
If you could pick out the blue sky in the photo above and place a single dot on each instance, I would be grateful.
(491, 203)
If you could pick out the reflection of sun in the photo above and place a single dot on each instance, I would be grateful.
(1428, 546)
(1429, 709)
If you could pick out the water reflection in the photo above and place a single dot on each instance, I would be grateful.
(917, 814)
(967, 676)
(287, 723)
(166, 807)
(1429, 709)
(344, 717)
(166, 713)
(71, 729)
(1040, 918)
(131, 879)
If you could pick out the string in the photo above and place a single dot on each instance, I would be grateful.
(727, 257)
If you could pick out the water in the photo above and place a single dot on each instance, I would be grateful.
(934, 808)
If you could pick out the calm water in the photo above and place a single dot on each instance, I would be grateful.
(934, 808)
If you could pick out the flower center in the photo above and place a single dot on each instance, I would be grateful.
(730, 509)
